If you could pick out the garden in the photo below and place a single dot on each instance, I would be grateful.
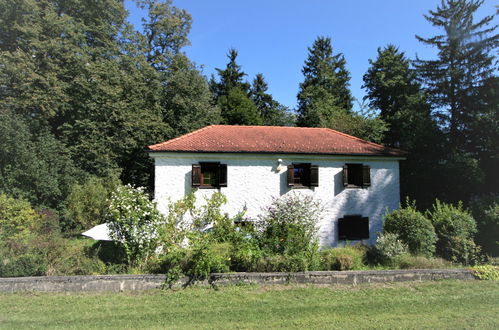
(196, 238)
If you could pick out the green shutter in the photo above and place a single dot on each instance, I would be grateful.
(314, 176)
(222, 175)
(366, 176)
(345, 175)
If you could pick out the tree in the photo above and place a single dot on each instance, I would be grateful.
(464, 64)
(231, 93)
(186, 98)
(230, 77)
(271, 111)
(324, 91)
(238, 109)
(392, 89)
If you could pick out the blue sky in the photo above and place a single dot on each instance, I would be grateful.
(272, 36)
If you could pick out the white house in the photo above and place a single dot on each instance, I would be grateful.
(356, 181)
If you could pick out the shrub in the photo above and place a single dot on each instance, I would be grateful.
(388, 246)
(413, 228)
(86, 204)
(207, 257)
(289, 225)
(72, 257)
(407, 261)
(18, 222)
(134, 221)
(28, 264)
(343, 258)
(299, 262)
(455, 228)
(486, 272)
(485, 210)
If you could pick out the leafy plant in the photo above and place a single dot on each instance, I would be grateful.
(486, 272)
(388, 246)
(413, 228)
(455, 228)
(289, 224)
(134, 221)
(343, 258)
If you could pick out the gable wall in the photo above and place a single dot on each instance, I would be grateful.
(252, 181)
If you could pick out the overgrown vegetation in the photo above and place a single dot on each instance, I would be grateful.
(83, 92)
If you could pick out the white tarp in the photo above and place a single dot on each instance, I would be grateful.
(99, 233)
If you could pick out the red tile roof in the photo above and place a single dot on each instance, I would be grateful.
(273, 139)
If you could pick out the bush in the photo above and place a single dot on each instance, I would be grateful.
(18, 222)
(289, 225)
(206, 258)
(388, 246)
(343, 258)
(486, 272)
(300, 262)
(87, 203)
(485, 210)
(413, 228)
(29, 264)
(72, 257)
(134, 221)
(407, 261)
(455, 228)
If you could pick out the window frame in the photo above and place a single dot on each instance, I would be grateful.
(363, 178)
(310, 176)
(343, 226)
(215, 168)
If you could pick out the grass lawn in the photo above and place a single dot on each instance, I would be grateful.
(445, 304)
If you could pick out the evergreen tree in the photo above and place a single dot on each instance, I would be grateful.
(324, 91)
(238, 109)
(271, 111)
(393, 90)
(230, 77)
(464, 63)
(231, 93)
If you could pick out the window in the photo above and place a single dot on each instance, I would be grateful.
(353, 227)
(356, 176)
(303, 175)
(209, 175)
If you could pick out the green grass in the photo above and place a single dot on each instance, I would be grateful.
(445, 304)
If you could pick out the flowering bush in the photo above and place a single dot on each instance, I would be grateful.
(134, 220)
(388, 246)
(289, 224)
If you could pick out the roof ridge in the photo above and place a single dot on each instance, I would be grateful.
(182, 136)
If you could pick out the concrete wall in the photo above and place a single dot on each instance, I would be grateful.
(252, 182)
(117, 283)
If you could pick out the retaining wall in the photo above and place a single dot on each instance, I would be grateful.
(117, 283)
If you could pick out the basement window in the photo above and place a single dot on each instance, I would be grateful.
(208, 175)
(303, 175)
(353, 227)
(356, 176)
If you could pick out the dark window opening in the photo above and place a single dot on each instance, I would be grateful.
(353, 227)
(356, 176)
(209, 175)
(303, 175)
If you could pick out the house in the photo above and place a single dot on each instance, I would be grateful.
(356, 181)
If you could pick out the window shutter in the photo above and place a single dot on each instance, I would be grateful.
(291, 175)
(314, 176)
(222, 175)
(366, 176)
(196, 175)
(345, 175)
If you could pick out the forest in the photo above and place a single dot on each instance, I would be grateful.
(83, 92)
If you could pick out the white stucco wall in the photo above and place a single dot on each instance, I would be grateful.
(252, 181)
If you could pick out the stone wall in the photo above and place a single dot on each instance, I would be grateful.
(253, 180)
(117, 283)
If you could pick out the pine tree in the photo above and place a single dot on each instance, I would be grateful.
(324, 91)
(271, 111)
(464, 63)
(232, 94)
(393, 90)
